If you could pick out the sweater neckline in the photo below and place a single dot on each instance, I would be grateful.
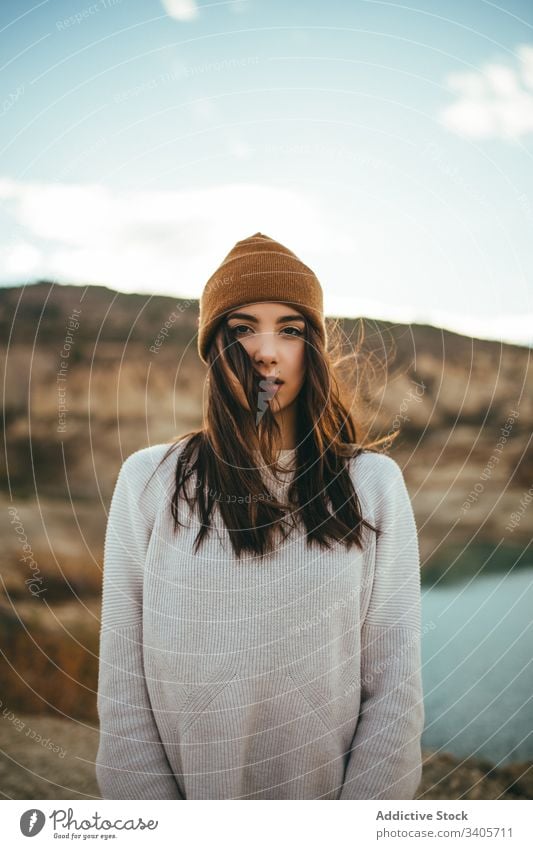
(285, 459)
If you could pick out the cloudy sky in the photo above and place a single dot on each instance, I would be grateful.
(389, 145)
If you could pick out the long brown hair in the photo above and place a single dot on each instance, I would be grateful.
(223, 453)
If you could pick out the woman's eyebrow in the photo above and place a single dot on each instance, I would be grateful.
(253, 318)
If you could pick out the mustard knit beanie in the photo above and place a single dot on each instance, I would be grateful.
(258, 269)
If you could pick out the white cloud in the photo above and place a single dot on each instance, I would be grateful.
(20, 260)
(496, 102)
(171, 241)
(156, 241)
(181, 10)
(513, 327)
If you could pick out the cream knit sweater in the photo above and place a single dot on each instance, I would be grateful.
(292, 676)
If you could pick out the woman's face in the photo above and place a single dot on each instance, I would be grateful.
(273, 335)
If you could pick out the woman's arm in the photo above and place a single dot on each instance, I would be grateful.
(385, 757)
(131, 762)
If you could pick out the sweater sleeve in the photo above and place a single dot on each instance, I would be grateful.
(131, 762)
(385, 758)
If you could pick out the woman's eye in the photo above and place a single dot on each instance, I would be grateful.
(238, 329)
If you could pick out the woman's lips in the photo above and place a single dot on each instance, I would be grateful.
(271, 386)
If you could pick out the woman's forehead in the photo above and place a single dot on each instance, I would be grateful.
(266, 306)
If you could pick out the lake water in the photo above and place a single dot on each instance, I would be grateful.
(478, 667)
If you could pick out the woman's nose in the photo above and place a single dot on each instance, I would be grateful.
(265, 346)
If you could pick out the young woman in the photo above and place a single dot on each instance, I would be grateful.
(261, 603)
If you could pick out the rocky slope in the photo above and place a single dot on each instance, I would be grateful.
(90, 375)
(132, 377)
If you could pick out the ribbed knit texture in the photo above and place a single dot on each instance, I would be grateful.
(292, 676)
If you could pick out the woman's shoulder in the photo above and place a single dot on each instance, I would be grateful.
(375, 475)
(368, 464)
(152, 455)
(154, 462)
